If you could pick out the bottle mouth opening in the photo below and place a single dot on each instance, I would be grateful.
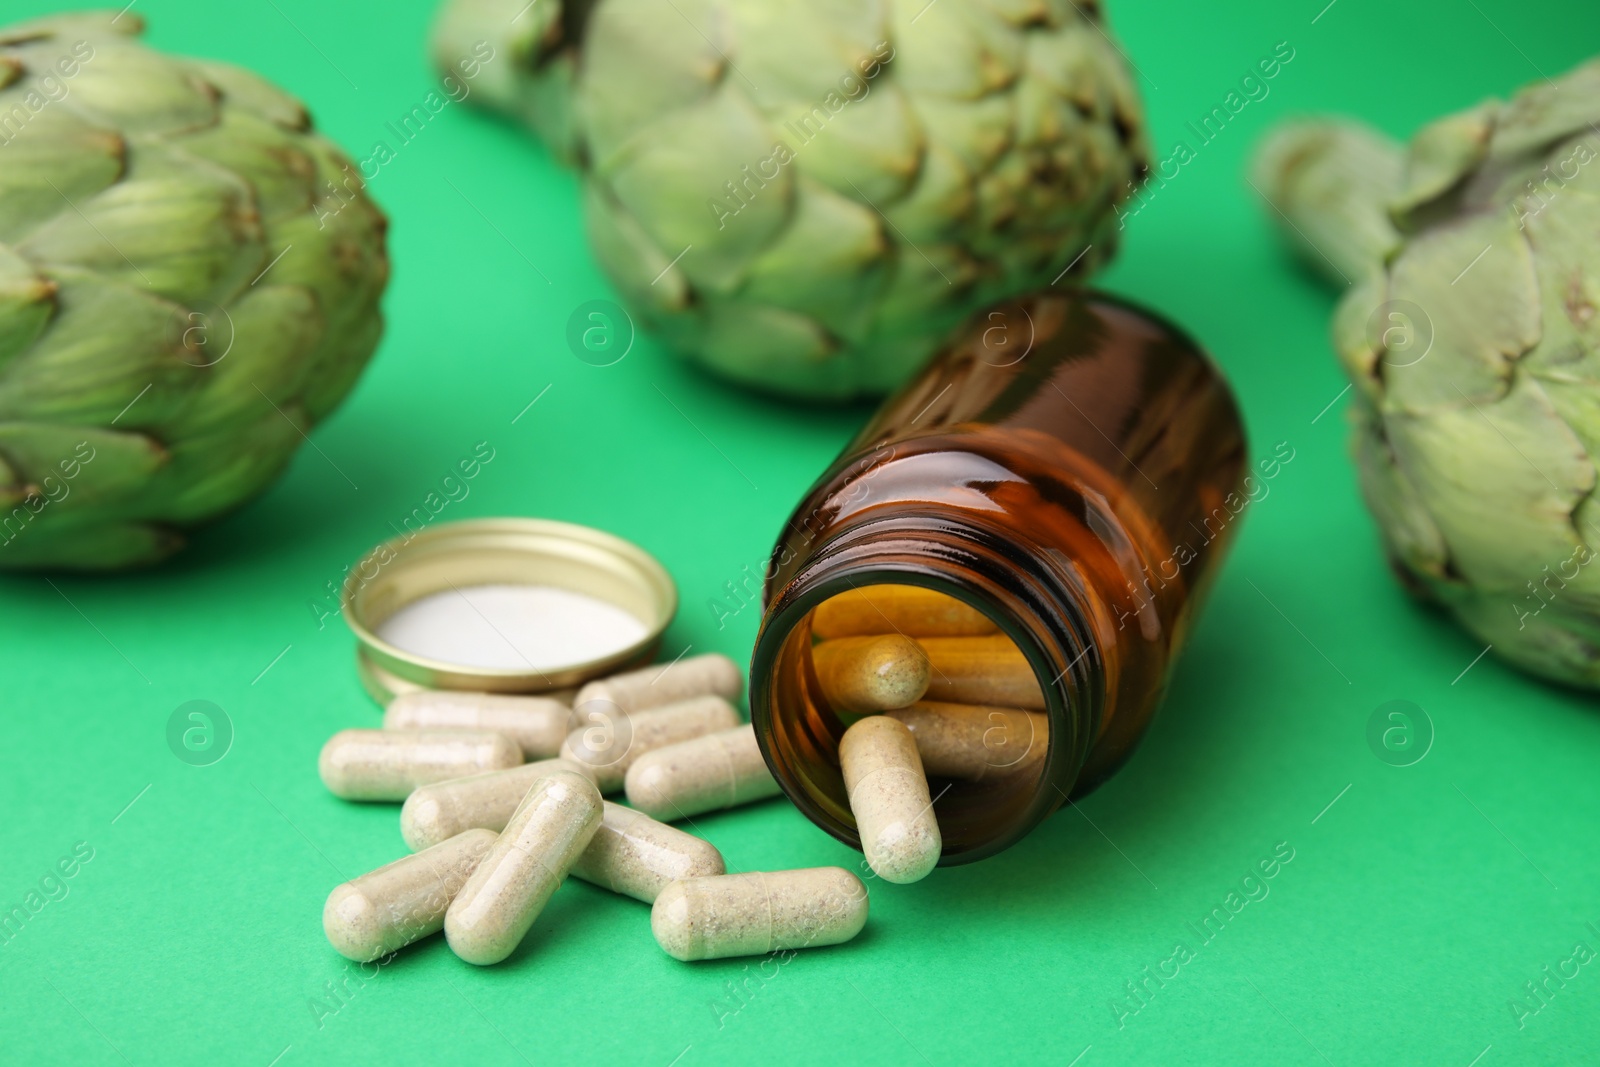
(996, 775)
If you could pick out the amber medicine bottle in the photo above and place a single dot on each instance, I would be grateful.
(1072, 467)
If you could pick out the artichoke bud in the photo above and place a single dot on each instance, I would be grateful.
(27, 300)
(1471, 334)
(175, 311)
(980, 148)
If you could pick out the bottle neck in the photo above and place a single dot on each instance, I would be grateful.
(1037, 597)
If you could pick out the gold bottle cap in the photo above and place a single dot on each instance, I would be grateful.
(539, 552)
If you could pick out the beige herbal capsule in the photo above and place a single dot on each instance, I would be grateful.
(402, 902)
(758, 912)
(389, 764)
(636, 856)
(609, 747)
(974, 742)
(527, 863)
(903, 609)
(889, 798)
(650, 687)
(720, 770)
(441, 810)
(538, 724)
(862, 675)
(982, 670)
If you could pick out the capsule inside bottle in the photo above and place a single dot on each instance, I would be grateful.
(975, 707)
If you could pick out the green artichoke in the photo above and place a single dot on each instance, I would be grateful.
(189, 280)
(805, 196)
(1470, 334)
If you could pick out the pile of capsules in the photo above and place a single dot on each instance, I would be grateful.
(493, 837)
(926, 683)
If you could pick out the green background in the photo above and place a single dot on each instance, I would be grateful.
(1415, 907)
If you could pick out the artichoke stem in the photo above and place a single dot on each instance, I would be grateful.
(525, 56)
(1329, 182)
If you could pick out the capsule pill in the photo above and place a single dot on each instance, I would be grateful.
(720, 770)
(903, 609)
(974, 742)
(635, 855)
(389, 764)
(712, 674)
(609, 747)
(981, 670)
(889, 798)
(441, 810)
(404, 901)
(862, 675)
(526, 864)
(538, 724)
(758, 912)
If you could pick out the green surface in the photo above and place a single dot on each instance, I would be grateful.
(1419, 899)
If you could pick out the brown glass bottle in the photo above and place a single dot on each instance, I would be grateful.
(1071, 466)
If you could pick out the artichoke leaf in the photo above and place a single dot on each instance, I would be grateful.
(338, 257)
(281, 175)
(928, 290)
(1360, 321)
(79, 372)
(647, 277)
(797, 62)
(262, 344)
(91, 462)
(69, 539)
(830, 263)
(338, 362)
(1014, 211)
(1547, 112)
(1045, 120)
(1562, 235)
(1442, 153)
(942, 202)
(205, 477)
(662, 181)
(54, 160)
(1502, 481)
(140, 92)
(27, 300)
(1078, 64)
(643, 60)
(954, 51)
(1474, 281)
(1559, 641)
(186, 237)
(1566, 361)
(248, 92)
(792, 346)
(869, 149)
(977, 131)
(1408, 529)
